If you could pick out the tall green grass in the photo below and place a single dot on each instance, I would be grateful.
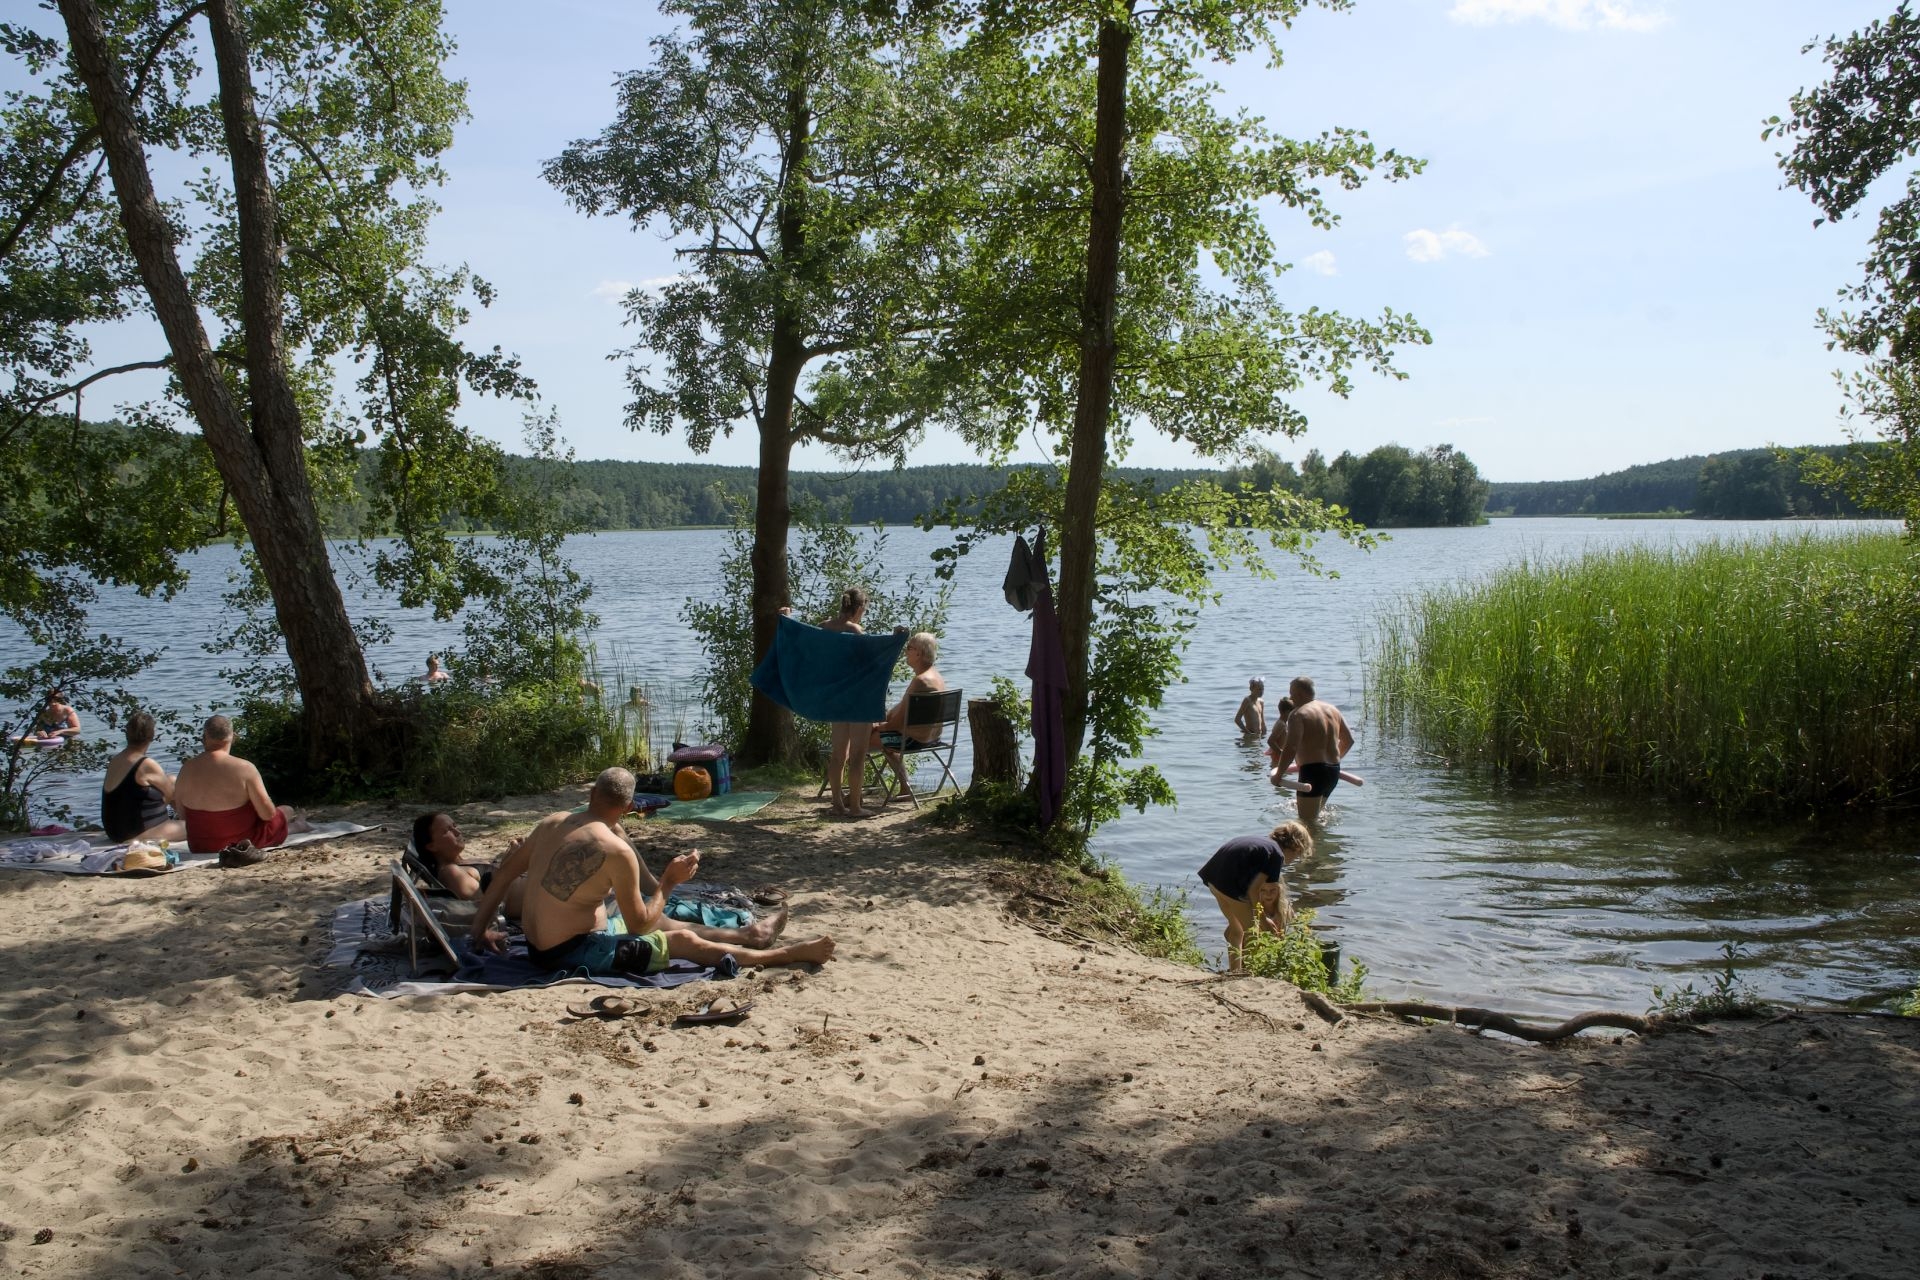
(1778, 675)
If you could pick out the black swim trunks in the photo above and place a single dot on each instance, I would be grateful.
(1323, 778)
(900, 741)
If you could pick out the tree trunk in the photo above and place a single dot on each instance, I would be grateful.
(1093, 404)
(261, 454)
(996, 744)
(771, 737)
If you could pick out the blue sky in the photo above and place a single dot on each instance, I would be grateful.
(1600, 245)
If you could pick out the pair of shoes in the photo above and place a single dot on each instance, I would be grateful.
(241, 853)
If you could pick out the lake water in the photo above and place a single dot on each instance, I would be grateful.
(1450, 885)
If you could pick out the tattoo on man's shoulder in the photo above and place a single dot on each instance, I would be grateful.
(571, 867)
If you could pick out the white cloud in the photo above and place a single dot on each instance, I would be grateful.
(615, 290)
(1321, 263)
(1431, 246)
(1572, 15)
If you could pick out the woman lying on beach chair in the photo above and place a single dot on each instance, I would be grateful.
(437, 856)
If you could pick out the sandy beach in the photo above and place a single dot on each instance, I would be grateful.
(963, 1092)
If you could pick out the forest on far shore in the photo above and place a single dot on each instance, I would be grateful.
(1388, 487)
(1743, 484)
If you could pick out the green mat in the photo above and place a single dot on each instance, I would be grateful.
(736, 804)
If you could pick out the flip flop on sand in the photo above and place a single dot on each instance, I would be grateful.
(706, 1014)
(606, 1008)
(769, 895)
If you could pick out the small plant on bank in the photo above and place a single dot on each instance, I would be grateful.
(1910, 1007)
(1295, 956)
(1013, 703)
(1727, 995)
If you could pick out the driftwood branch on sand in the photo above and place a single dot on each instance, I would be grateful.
(1494, 1020)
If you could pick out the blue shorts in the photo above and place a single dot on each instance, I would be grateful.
(606, 954)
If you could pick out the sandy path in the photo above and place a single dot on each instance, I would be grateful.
(957, 1095)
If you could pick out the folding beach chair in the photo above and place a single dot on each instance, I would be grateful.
(941, 708)
(408, 910)
(424, 874)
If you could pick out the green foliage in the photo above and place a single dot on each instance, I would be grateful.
(827, 558)
(462, 741)
(1117, 275)
(1207, 352)
(1160, 547)
(1154, 923)
(1774, 675)
(1011, 701)
(352, 111)
(1727, 995)
(1005, 812)
(1388, 488)
(92, 670)
(529, 605)
(1295, 956)
(1910, 1007)
(1163, 927)
(776, 143)
(602, 494)
(1848, 134)
(523, 738)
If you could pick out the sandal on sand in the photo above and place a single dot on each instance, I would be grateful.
(605, 1008)
(706, 1014)
(769, 895)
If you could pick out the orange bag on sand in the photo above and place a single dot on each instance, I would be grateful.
(692, 783)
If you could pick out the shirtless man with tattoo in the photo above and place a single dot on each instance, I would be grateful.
(572, 861)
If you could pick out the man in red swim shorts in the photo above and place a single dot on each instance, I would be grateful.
(223, 800)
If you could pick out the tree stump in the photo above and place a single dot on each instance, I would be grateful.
(996, 744)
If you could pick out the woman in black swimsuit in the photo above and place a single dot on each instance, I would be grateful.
(136, 793)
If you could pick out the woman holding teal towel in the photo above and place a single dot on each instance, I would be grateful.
(846, 749)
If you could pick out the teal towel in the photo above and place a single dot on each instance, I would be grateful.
(829, 675)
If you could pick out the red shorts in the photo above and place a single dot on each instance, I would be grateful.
(211, 830)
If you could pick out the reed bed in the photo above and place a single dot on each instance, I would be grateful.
(1750, 676)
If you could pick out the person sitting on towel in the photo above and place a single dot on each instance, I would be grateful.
(136, 793)
(894, 734)
(437, 838)
(572, 861)
(224, 801)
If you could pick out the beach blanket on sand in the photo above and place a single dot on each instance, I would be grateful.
(95, 855)
(829, 675)
(376, 962)
(735, 804)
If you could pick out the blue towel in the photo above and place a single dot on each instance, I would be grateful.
(829, 675)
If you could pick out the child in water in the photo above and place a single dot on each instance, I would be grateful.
(1251, 718)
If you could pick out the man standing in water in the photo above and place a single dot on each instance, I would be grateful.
(1317, 736)
(572, 861)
